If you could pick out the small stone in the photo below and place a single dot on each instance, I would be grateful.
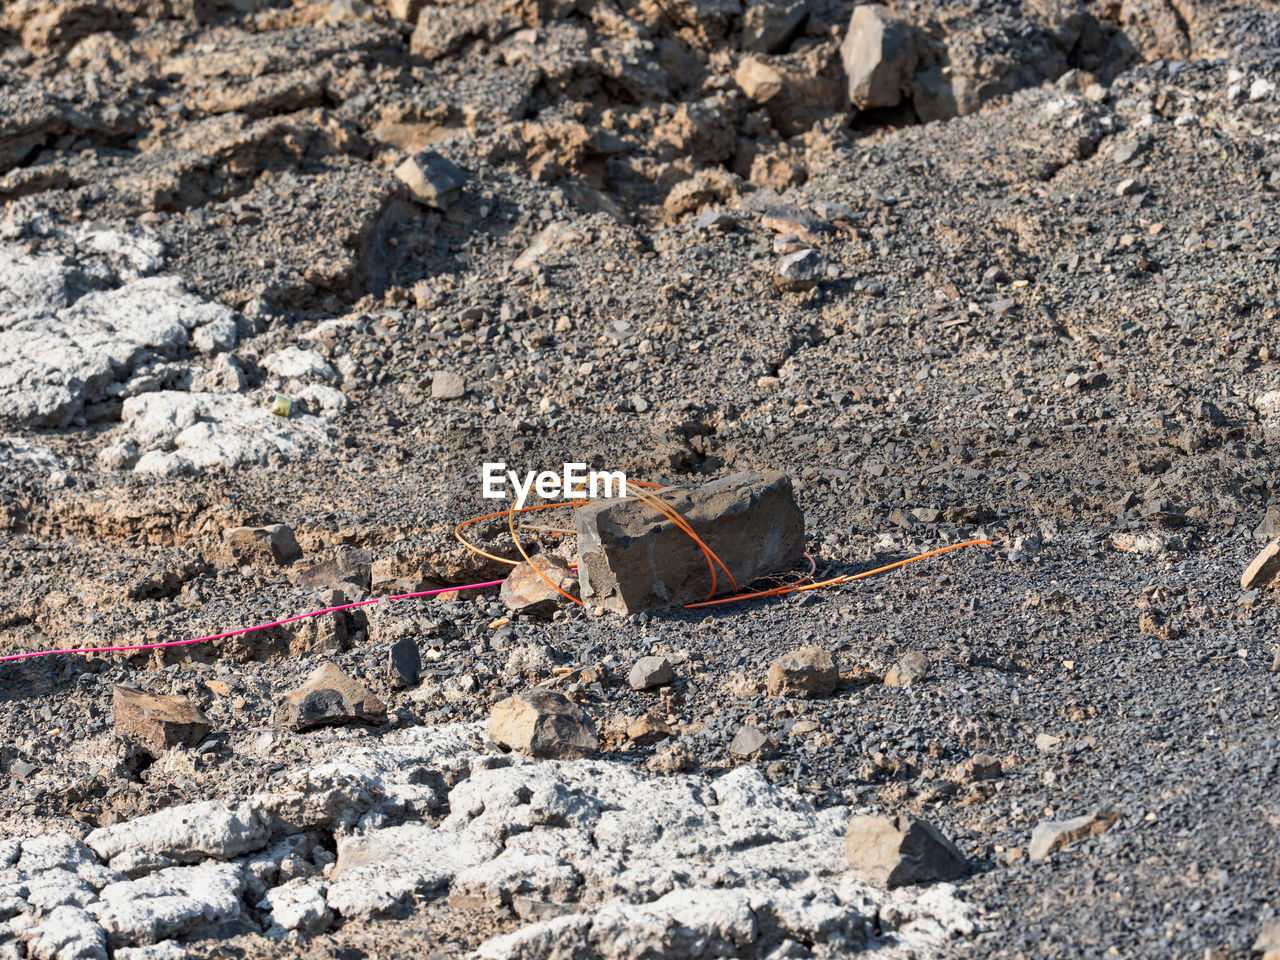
(912, 668)
(893, 852)
(525, 591)
(712, 219)
(434, 180)
(22, 768)
(650, 672)
(1127, 187)
(446, 385)
(329, 698)
(1262, 572)
(648, 730)
(404, 663)
(540, 723)
(273, 544)
(809, 672)
(981, 766)
(800, 271)
(155, 722)
(1047, 742)
(789, 219)
(752, 743)
(1050, 835)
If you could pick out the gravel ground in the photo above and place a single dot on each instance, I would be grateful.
(1048, 322)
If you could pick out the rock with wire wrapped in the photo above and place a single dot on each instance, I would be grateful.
(678, 545)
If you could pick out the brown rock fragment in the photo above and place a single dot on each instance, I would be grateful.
(1262, 572)
(524, 591)
(809, 672)
(543, 724)
(156, 722)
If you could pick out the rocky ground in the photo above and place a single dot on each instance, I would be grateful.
(276, 278)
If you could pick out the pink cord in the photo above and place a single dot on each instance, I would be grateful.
(264, 626)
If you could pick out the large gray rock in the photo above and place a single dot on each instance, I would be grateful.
(631, 558)
(895, 851)
(329, 698)
(880, 56)
(540, 723)
(769, 26)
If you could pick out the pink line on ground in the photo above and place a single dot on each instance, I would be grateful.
(261, 626)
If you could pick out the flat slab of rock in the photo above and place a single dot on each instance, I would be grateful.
(1262, 572)
(808, 672)
(329, 698)
(543, 724)
(155, 722)
(633, 559)
(650, 672)
(896, 851)
(1051, 835)
(525, 591)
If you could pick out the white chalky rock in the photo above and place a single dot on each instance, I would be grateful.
(170, 903)
(164, 950)
(292, 363)
(65, 933)
(63, 346)
(327, 400)
(186, 833)
(187, 433)
(299, 905)
(50, 851)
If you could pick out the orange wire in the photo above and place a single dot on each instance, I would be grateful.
(776, 591)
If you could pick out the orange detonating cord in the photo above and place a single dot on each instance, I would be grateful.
(669, 512)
